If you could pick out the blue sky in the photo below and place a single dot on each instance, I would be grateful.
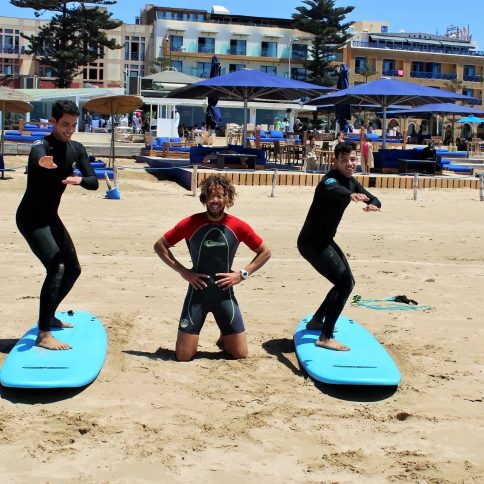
(430, 16)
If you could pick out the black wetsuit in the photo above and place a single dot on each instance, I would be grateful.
(212, 247)
(316, 244)
(39, 223)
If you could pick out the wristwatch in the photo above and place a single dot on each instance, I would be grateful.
(244, 274)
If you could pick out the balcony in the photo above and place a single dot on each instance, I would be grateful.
(472, 78)
(11, 50)
(392, 73)
(419, 48)
(206, 50)
(235, 51)
(433, 75)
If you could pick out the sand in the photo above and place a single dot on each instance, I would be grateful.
(147, 418)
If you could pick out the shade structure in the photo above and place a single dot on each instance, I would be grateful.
(384, 92)
(471, 119)
(249, 85)
(118, 104)
(12, 101)
(448, 109)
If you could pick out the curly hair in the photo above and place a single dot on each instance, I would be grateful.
(212, 181)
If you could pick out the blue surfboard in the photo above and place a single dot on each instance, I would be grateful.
(367, 362)
(28, 366)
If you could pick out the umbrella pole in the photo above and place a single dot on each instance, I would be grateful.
(3, 125)
(384, 144)
(244, 128)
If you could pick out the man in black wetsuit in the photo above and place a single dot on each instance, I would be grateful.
(212, 238)
(50, 169)
(315, 242)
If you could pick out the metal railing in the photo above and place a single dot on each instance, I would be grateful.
(419, 48)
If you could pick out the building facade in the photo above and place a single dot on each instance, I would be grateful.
(439, 61)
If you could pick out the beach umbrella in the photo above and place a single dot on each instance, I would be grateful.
(213, 117)
(249, 85)
(471, 120)
(343, 111)
(442, 109)
(113, 104)
(12, 101)
(384, 92)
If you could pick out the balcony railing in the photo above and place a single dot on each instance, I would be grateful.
(419, 48)
(472, 78)
(235, 51)
(206, 50)
(392, 73)
(11, 50)
(433, 75)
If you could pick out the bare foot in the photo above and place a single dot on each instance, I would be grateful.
(331, 344)
(47, 341)
(57, 323)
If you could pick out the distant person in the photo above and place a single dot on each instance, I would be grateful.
(340, 137)
(286, 125)
(367, 160)
(311, 161)
(278, 125)
(370, 128)
(430, 153)
(461, 144)
(213, 237)
(124, 121)
(50, 169)
(316, 240)
(88, 122)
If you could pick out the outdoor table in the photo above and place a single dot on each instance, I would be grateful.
(421, 166)
(236, 159)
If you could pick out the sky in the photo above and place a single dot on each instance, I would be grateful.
(429, 16)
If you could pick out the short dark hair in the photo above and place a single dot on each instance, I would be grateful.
(212, 181)
(64, 107)
(343, 148)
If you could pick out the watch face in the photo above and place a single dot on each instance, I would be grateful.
(244, 274)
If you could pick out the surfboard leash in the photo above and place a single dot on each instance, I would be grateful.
(386, 303)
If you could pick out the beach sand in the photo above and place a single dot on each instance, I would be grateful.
(147, 418)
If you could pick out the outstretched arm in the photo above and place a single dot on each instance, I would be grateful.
(229, 279)
(196, 280)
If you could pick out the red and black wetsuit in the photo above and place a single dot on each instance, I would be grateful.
(39, 223)
(212, 247)
(316, 244)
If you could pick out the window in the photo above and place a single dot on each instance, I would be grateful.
(299, 73)
(176, 43)
(203, 69)
(299, 51)
(236, 67)
(269, 70)
(177, 64)
(238, 47)
(206, 45)
(360, 64)
(268, 49)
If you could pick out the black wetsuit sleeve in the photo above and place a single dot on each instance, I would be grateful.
(89, 179)
(372, 200)
(335, 190)
(39, 149)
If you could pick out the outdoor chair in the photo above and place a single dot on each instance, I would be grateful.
(2, 167)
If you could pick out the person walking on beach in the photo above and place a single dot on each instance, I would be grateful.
(213, 237)
(316, 240)
(49, 170)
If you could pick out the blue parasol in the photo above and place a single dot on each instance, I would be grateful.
(249, 85)
(384, 92)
